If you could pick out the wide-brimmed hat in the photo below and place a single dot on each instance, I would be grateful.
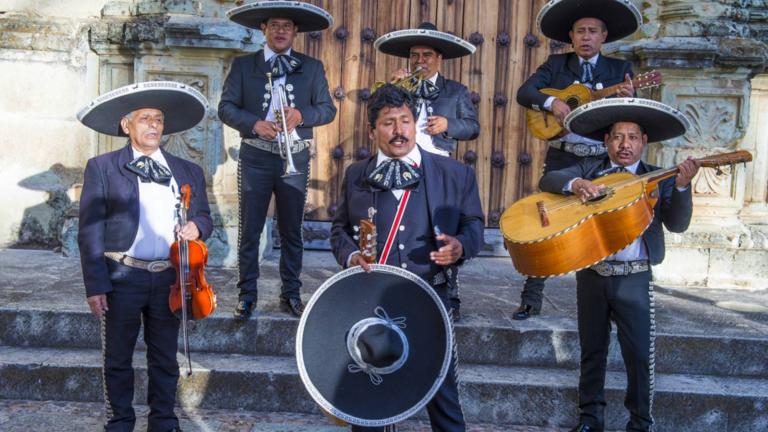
(183, 107)
(373, 348)
(398, 43)
(659, 121)
(621, 17)
(306, 16)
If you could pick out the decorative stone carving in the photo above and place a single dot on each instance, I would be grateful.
(714, 120)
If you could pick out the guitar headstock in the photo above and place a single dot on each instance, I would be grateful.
(647, 80)
(367, 241)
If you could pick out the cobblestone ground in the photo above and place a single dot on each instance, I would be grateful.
(27, 416)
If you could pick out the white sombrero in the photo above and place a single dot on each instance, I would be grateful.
(398, 43)
(621, 17)
(306, 16)
(182, 106)
(659, 121)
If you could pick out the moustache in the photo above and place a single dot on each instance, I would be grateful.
(398, 138)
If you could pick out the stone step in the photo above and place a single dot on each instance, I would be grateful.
(491, 394)
(536, 343)
(27, 415)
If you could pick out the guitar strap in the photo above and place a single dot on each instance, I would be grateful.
(393, 229)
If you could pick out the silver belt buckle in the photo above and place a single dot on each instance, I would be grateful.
(581, 149)
(158, 266)
(603, 269)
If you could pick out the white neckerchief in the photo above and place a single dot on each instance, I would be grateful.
(157, 215)
(412, 158)
(636, 250)
(423, 139)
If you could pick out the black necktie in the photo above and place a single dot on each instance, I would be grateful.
(149, 170)
(283, 64)
(612, 170)
(586, 72)
(427, 91)
(394, 174)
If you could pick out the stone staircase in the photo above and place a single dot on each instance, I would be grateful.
(712, 363)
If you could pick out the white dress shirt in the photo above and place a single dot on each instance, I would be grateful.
(276, 83)
(423, 139)
(157, 216)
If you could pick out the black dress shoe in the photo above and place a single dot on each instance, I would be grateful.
(585, 428)
(524, 312)
(244, 309)
(293, 306)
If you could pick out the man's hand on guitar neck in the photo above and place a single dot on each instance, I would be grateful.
(358, 260)
(626, 89)
(686, 171)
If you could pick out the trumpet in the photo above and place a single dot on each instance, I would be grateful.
(284, 139)
(408, 83)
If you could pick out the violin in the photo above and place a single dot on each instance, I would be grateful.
(191, 298)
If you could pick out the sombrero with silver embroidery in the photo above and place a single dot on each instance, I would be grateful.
(659, 121)
(621, 17)
(373, 348)
(306, 16)
(398, 43)
(183, 107)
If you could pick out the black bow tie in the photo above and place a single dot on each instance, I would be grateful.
(612, 170)
(283, 64)
(427, 91)
(394, 174)
(149, 170)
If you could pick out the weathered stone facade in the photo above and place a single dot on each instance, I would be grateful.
(56, 58)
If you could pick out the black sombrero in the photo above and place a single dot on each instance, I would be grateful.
(398, 43)
(182, 106)
(306, 16)
(621, 17)
(373, 348)
(660, 121)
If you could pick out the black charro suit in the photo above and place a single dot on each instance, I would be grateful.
(454, 103)
(627, 300)
(109, 221)
(447, 197)
(241, 105)
(559, 72)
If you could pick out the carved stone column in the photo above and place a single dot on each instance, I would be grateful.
(709, 51)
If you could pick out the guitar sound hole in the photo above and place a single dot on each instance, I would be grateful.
(573, 103)
(603, 195)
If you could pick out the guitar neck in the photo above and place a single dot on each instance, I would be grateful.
(714, 161)
(612, 90)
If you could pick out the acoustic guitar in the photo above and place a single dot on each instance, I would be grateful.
(550, 234)
(544, 125)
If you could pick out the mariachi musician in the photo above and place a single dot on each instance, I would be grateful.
(444, 111)
(427, 213)
(586, 25)
(128, 219)
(620, 288)
(249, 103)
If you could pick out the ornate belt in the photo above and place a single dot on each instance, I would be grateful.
(620, 268)
(579, 149)
(150, 266)
(274, 147)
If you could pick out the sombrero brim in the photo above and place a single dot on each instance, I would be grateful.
(323, 358)
(398, 43)
(660, 121)
(621, 17)
(182, 106)
(306, 16)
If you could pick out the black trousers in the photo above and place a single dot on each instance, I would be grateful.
(533, 288)
(628, 301)
(444, 410)
(260, 176)
(139, 296)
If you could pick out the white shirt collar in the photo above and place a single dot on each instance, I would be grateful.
(433, 78)
(268, 53)
(631, 168)
(592, 60)
(413, 157)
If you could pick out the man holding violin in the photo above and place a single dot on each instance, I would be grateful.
(586, 24)
(128, 221)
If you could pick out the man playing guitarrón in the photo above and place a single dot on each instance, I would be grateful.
(620, 288)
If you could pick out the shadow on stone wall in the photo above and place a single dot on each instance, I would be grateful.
(41, 225)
